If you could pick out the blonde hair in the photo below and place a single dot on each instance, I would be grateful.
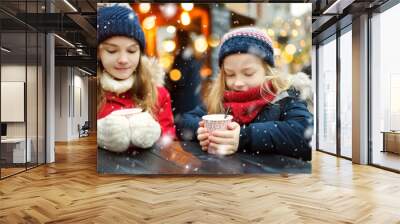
(144, 91)
(214, 101)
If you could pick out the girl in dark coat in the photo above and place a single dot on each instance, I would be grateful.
(269, 110)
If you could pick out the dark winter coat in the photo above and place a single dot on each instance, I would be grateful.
(284, 127)
(185, 92)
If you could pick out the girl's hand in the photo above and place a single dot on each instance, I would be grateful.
(202, 136)
(225, 142)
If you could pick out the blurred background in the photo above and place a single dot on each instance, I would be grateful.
(289, 25)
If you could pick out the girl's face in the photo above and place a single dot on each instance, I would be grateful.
(243, 71)
(120, 56)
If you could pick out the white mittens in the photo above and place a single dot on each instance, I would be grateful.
(113, 133)
(145, 131)
(116, 132)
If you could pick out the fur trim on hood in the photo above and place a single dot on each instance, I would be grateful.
(303, 84)
(156, 71)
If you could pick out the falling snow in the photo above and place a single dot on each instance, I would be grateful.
(187, 134)
(257, 51)
(308, 133)
(197, 90)
(187, 53)
(168, 10)
(165, 141)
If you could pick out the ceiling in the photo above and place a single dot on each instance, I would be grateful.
(75, 24)
(330, 15)
(79, 27)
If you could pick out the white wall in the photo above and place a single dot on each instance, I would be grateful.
(17, 73)
(33, 127)
(61, 103)
(80, 96)
(71, 94)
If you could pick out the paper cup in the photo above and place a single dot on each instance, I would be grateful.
(127, 112)
(215, 122)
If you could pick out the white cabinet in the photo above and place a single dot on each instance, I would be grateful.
(15, 148)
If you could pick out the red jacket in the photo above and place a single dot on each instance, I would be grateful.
(162, 112)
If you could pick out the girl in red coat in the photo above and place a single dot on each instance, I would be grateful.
(128, 79)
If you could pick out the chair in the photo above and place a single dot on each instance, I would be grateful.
(84, 130)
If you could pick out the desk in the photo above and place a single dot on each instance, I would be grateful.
(188, 158)
(391, 141)
(13, 150)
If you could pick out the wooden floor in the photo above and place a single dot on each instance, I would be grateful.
(10, 171)
(70, 191)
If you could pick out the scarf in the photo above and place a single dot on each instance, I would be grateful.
(108, 83)
(246, 105)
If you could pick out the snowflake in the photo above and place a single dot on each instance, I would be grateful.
(257, 51)
(168, 10)
(165, 141)
(187, 53)
(131, 16)
(187, 134)
(308, 133)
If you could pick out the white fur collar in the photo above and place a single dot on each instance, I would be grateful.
(116, 86)
(303, 84)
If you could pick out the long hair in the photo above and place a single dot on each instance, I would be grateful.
(214, 101)
(144, 90)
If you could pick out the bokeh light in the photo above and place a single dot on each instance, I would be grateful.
(185, 18)
(144, 7)
(175, 75)
(290, 49)
(187, 6)
(168, 45)
(149, 22)
(171, 29)
(200, 44)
